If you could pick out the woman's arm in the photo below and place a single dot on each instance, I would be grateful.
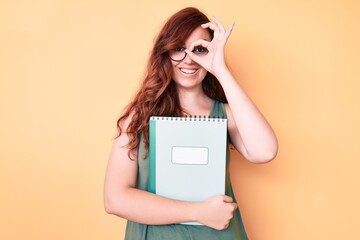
(122, 198)
(249, 131)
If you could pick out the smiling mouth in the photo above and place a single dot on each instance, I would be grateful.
(188, 71)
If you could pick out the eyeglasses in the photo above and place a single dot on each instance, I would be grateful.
(179, 54)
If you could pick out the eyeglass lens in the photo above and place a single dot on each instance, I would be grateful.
(179, 54)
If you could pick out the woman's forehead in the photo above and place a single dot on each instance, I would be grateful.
(198, 33)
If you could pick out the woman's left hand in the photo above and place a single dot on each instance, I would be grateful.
(214, 61)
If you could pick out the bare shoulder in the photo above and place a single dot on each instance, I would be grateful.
(229, 115)
(234, 134)
(121, 138)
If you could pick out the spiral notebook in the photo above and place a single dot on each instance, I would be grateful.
(187, 157)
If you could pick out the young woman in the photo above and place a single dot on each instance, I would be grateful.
(186, 75)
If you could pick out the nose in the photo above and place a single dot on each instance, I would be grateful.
(187, 59)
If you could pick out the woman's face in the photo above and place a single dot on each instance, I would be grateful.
(188, 74)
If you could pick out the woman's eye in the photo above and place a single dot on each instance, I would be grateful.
(200, 50)
(180, 49)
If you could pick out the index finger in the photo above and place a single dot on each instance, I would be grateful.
(199, 42)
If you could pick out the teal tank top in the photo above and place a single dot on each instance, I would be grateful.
(136, 231)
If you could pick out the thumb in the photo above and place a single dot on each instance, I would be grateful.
(227, 199)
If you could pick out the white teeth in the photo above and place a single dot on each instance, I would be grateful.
(187, 71)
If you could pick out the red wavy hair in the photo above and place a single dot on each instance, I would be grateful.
(157, 95)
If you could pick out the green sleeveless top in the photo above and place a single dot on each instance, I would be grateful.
(136, 231)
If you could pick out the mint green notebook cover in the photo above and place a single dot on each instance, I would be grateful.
(187, 157)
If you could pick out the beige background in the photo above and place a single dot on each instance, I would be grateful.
(67, 68)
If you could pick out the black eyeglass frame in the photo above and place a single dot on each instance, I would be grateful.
(185, 54)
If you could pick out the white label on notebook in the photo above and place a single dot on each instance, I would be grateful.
(190, 155)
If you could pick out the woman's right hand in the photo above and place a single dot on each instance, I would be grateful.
(216, 212)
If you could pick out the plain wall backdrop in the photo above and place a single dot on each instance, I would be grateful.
(68, 68)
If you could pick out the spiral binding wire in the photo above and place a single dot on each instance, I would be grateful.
(189, 118)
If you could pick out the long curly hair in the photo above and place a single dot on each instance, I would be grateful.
(157, 95)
